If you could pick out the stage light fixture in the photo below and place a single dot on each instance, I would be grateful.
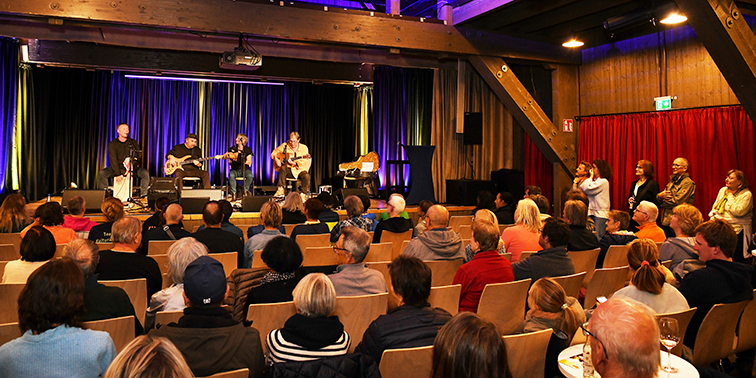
(674, 18)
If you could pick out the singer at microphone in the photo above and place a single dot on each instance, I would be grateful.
(240, 158)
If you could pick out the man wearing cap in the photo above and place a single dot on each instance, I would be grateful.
(208, 337)
(188, 148)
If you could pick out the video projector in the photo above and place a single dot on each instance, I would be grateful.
(240, 60)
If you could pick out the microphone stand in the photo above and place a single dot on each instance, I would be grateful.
(134, 154)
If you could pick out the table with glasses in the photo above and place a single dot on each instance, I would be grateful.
(571, 366)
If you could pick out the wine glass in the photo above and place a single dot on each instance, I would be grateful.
(669, 334)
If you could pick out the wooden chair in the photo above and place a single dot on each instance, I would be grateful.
(9, 298)
(290, 227)
(167, 282)
(525, 255)
(137, 292)
(585, 261)
(507, 255)
(267, 317)
(159, 247)
(162, 261)
(9, 252)
(238, 373)
(2, 267)
(121, 329)
(604, 283)
(503, 227)
(683, 319)
(59, 250)
(357, 312)
(504, 305)
(446, 297)
(381, 266)
(379, 252)
(318, 240)
(228, 260)
(715, 339)
(257, 261)
(8, 332)
(105, 246)
(196, 228)
(658, 245)
(526, 353)
(13, 239)
(457, 220)
(371, 234)
(571, 284)
(667, 263)
(465, 231)
(397, 239)
(616, 256)
(318, 256)
(443, 271)
(165, 317)
(407, 363)
(404, 245)
(747, 328)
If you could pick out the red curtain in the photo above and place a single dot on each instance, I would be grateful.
(714, 140)
(538, 170)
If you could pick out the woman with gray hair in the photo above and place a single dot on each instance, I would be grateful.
(180, 255)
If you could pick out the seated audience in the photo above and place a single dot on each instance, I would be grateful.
(468, 346)
(395, 223)
(486, 267)
(624, 339)
(180, 255)
(485, 200)
(227, 209)
(328, 215)
(312, 333)
(578, 195)
(149, 357)
(283, 256)
(553, 260)
(437, 242)
(352, 276)
(123, 262)
(414, 323)
(100, 301)
(487, 215)
(13, 216)
(385, 215)
(50, 216)
(77, 206)
(293, 209)
(112, 209)
(544, 207)
(354, 208)
(422, 211)
(270, 214)
(532, 190)
(312, 209)
(170, 230)
(550, 307)
(647, 284)
(208, 337)
(523, 237)
(505, 208)
(157, 218)
(645, 214)
(37, 247)
(576, 215)
(213, 236)
(617, 223)
(53, 343)
(684, 220)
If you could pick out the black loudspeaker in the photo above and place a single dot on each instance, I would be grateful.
(252, 204)
(341, 194)
(161, 187)
(465, 192)
(509, 180)
(473, 128)
(193, 205)
(93, 198)
(213, 194)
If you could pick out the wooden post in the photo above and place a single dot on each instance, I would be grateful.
(565, 105)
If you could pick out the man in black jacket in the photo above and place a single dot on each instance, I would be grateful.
(119, 155)
(193, 169)
(216, 239)
(171, 230)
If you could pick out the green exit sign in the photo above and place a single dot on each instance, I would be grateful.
(663, 103)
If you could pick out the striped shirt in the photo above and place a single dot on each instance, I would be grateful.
(280, 350)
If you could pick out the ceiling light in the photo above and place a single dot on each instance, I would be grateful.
(573, 43)
(202, 80)
(674, 18)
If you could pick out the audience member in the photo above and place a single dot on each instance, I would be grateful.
(679, 190)
(77, 206)
(227, 209)
(328, 215)
(422, 211)
(385, 215)
(596, 187)
(312, 332)
(395, 223)
(505, 208)
(293, 209)
(684, 220)
(577, 194)
(485, 200)
(616, 234)
(352, 276)
(149, 357)
(576, 214)
(486, 267)
(170, 230)
(642, 189)
(50, 216)
(487, 215)
(312, 209)
(734, 204)
(157, 218)
(414, 323)
(553, 260)
(523, 236)
(53, 343)
(544, 207)
(37, 247)
(214, 237)
(112, 209)
(283, 256)
(645, 215)
(437, 242)
(468, 346)
(13, 216)
(208, 337)
(532, 190)
(270, 214)
(354, 208)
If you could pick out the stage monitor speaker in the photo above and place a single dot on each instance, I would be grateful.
(341, 194)
(213, 194)
(161, 187)
(193, 205)
(473, 128)
(252, 204)
(92, 197)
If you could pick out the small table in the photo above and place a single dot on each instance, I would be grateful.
(572, 367)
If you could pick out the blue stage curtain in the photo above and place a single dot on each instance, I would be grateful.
(8, 95)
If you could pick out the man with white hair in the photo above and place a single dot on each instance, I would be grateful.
(395, 223)
(352, 276)
(624, 339)
(645, 214)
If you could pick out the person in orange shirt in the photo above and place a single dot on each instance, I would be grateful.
(50, 216)
(645, 214)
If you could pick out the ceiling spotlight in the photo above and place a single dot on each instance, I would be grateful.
(573, 43)
(674, 18)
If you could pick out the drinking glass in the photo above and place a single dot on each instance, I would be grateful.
(669, 334)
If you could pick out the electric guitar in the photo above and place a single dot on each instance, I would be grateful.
(169, 167)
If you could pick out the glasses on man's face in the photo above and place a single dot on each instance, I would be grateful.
(641, 211)
(337, 249)
(587, 333)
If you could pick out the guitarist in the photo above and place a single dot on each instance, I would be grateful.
(189, 147)
(119, 151)
(240, 158)
(283, 155)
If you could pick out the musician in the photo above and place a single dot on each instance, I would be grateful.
(119, 156)
(283, 157)
(237, 154)
(188, 148)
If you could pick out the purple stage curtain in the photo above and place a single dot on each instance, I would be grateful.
(8, 95)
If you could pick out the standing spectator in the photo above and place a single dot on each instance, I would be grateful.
(354, 209)
(576, 214)
(13, 216)
(438, 242)
(596, 187)
(271, 216)
(734, 204)
(642, 189)
(112, 208)
(50, 216)
(684, 220)
(37, 247)
(645, 215)
(523, 237)
(313, 208)
(616, 234)
(395, 223)
(553, 260)
(680, 189)
(77, 221)
(123, 262)
(293, 209)
(352, 276)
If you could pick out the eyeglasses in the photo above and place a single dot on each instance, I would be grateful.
(337, 249)
(641, 211)
(677, 165)
(588, 333)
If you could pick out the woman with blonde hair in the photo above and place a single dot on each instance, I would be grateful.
(13, 217)
(523, 236)
(293, 209)
(112, 208)
(484, 214)
(684, 220)
(734, 204)
(149, 357)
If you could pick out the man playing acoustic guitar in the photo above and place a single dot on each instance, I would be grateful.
(188, 149)
(292, 160)
(240, 158)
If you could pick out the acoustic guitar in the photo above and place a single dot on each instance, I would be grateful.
(169, 168)
(291, 163)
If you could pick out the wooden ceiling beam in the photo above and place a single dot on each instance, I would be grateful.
(476, 8)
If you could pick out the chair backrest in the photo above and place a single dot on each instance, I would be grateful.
(616, 256)
(2, 267)
(317, 240)
(507, 255)
(659, 244)
(9, 252)
(195, 228)
(443, 271)
(162, 261)
(228, 260)
(121, 329)
(379, 252)
(159, 247)
(716, 337)
(525, 255)
(136, 289)
(683, 319)
(504, 305)
(290, 227)
(105, 246)
(667, 263)
(319, 256)
(167, 282)
(407, 363)
(238, 373)
(446, 297)
(13, 239)
(526, 353)
(604, 283)
(404, 245)
(267, 317)
(503, 227)
(397, 239)
(59, 250)
(357, 312)
(465, 231)
(257, 261)
(747, 333)
(165, 317)
(381, 266)
(9, 298)
(585, 261)
(8, 332)
(457, 220)
(571, 284)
